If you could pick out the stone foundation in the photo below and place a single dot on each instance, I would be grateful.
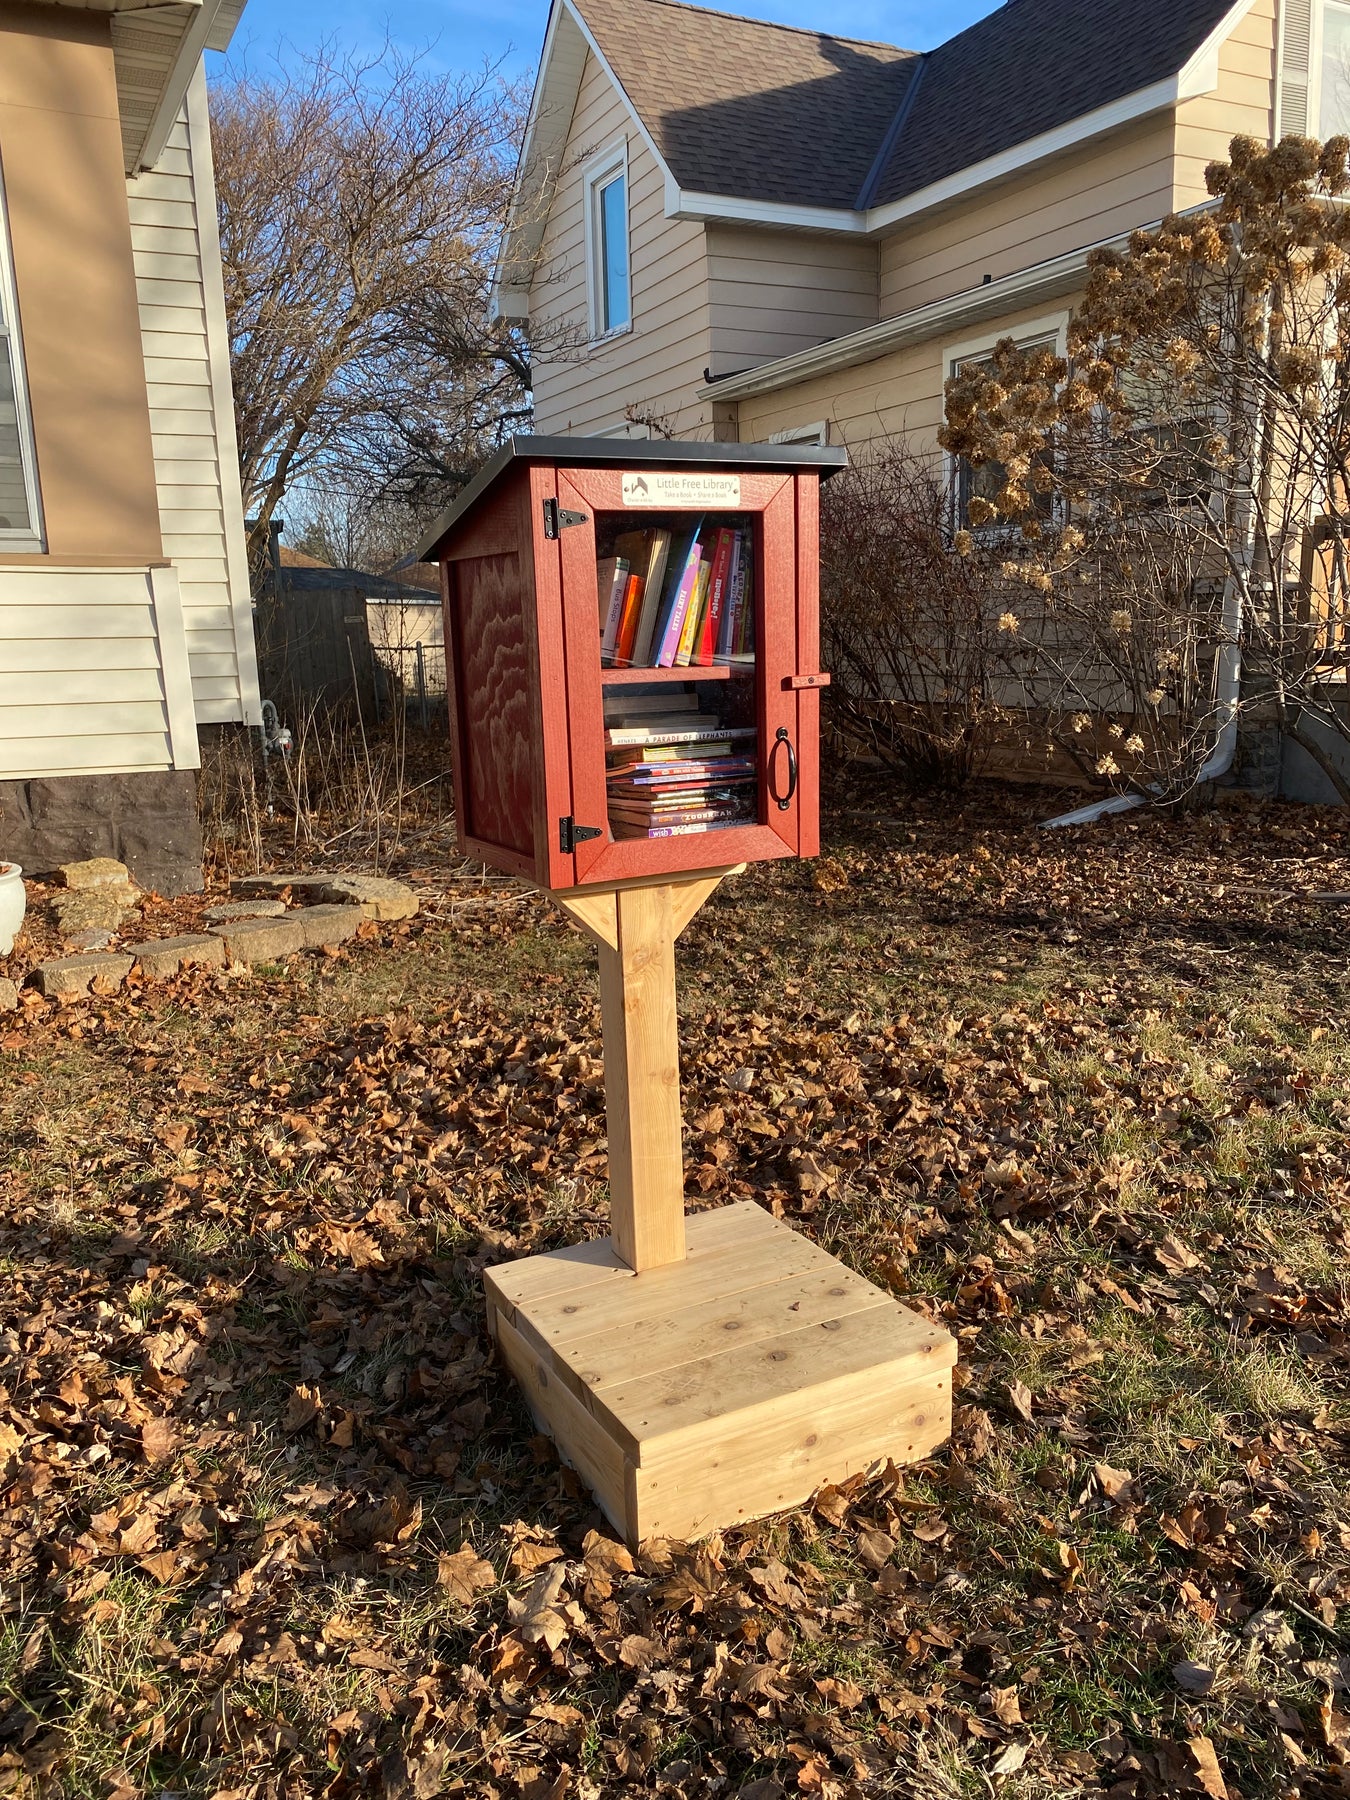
(149, 822)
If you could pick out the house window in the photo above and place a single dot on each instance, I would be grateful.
(19, 527)
(819, 433)
(988, 480)
(1333, 112)
(607, 242)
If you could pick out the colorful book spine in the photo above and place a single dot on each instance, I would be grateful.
(679, 609)
(628, 624)
(705, 651)
(694, 617)
(727, 624)
(612, 579)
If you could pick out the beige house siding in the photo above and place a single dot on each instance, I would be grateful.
(1122, 182)
(1242, 103)
(895, 395)
(93, 673)
(191, 413)
(775, 292)
(654, 368)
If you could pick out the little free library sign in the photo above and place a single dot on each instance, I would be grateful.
(632, 646)
(679, 487)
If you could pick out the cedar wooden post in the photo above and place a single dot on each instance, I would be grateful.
(642, 1081)
(635, 927)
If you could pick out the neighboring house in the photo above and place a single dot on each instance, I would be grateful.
(734, 230)
(125, 621)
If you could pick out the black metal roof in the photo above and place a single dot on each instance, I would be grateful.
(631, 453)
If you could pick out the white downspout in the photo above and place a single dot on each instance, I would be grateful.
(1228, 684)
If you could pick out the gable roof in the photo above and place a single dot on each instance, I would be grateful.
(1029, 67)
(738, 106)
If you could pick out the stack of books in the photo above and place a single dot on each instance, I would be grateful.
(678, 599)
(672, 769)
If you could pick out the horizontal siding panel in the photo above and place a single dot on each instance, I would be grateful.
(172, 295)
(208, 665)
(177, 371)
(54, 621)
(219, 712)
(89, 688)
(181, 423)
(21, 758)
(62, 719)
(165, 240)
(221, 690)
(64, 656)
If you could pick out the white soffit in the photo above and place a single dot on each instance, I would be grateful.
(157, 45)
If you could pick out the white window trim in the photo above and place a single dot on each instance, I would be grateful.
(1053, 328)
(600, 169)
(30, 538)
(819, 434)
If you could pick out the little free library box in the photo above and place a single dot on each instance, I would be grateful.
(632, 656)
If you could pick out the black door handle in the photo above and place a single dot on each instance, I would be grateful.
(781, 737)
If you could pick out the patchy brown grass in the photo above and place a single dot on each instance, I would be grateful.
(275, 1525)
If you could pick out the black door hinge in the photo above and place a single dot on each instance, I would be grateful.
(557, 518)
(570, 835)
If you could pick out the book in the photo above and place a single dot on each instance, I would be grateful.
(628, 623)
(647, 553)
(705, 651)
(612, 580)
(651, 734)
(726, 624)
(693, 619)
(679, 608)
(626, 830)
(741, 645)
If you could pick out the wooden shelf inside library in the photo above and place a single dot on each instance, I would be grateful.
(632, 677)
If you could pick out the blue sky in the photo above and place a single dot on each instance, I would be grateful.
(465, 34)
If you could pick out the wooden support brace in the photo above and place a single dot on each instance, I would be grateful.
(635, 926)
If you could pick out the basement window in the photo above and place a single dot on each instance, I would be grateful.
(19, 515)
(607, 243)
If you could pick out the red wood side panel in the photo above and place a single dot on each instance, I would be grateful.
(808, 662)
(777, 599)
(586, 721)
(458, 746)
(487, 622)
(554, 798)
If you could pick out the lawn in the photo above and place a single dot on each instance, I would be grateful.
(276, 1525)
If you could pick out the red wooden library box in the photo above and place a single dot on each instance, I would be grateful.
(632, 655)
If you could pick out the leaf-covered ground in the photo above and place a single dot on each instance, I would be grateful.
(275, 1525)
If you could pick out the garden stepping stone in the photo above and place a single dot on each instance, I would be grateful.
(230, 910)
(162, 958)
(260, 940)
(377, 896)
(68, 977)
(92, 909)
(268, 886)
(327, 925)
(9, 995)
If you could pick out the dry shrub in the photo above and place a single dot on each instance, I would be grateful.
(908, 631)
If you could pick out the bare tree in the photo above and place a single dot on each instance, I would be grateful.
(360, 202)
(1197, 446)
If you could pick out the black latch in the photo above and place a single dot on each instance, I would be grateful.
(557, 518)
(570, 835)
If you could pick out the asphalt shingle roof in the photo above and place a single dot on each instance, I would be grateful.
(763, 112)
(767, 112)
(1030, 66)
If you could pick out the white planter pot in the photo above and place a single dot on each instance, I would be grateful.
(13, 905)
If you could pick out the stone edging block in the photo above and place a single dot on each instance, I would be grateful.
(162, 958)
(66, 977)
(378, 896)
(9, 995)
(325, 925)
(260, 940)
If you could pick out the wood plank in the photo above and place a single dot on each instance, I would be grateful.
(642, 1082)
(709, 1277)
(582, 1440)
(668, 1339)
(771, 1456)
(678, 1404)
(595, 914)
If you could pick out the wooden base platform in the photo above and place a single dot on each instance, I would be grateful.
(723, 1387)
